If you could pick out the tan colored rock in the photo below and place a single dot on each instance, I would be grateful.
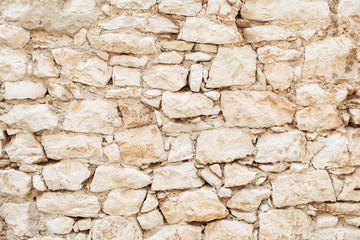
(112, 177)
(211, 178)
(31, 117)
(256, 109)
(349, 8)
(68, 204)
(14, 183)
(24, 90)
(137, 115)
(267, 33)
(115, 227)
(126, 76)
(223, 145)
(67, 174)
(233, 66)
(271, 54)
(325, 220)
(133, 4)
(90, 116)
(180, 176)
(13, 64)
(44, 65)
(140, 146)
(198, 57)
(112, 152)
(196, 205)
(66, 55)
(124, 202)
(238, 175)
(43, 39)
(13, 36)
(181, 149)
(171, 78)
(24, 148)
(203, 30)
(180, 231)
(60, 225)
(228, 229)
(279, 75)
(350, 189)
(337, 232)
(68, 146)
(182, 7)
(174, 127)
(150, 203)
(123, 93)
(128, 61)
(316, 118)
(353, 143)
(248, 200)
(186, 104)
(151, 220)
(169, 58)
(340, 208)
(196, 77)
(281, 147)
(226, 11)
(177, 46)
(289, 188)
(12, 10)
(38, 183)
(284, 224)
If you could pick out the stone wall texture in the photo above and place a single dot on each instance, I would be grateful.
(180, 119)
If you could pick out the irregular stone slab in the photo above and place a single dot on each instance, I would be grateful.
(353, 143)
(350, 189)
(136, 115)
(318, 118)
(150, 203)
(68, 204)
(228, 229)
(171, 78)
(281, 147)
(203, 30)
(126, 76)
(181, 149)
(349, 8)
(177, 46)
(13, 64)
(123, 93)
(211, 178)
(233, 66)
(44, 65)
(176, 177)
(198, 57)
(90, 116)
(285, 10)
(60, 225)
(271, 54)
(223, 10)
(196, 77)
(66, 145)
(198, 205)
(14, 183)
(182, 7)
(31, 117)
(182, 231)
(124, 202)
(13, 36)
(256, 109)
(284, 224)
(142, 145)
(68, 175)
(133, 4)
(128, 61)
(237, 175)
(169, 58)
(345, 232)
(186, 104)
(151, 220)
(279, 75)
(340, 208)
(248, 200)
(290, 189)
(116, 227)
(267, 33)
(24, 90)
(223, 145)
(111, 177)
(24, 148)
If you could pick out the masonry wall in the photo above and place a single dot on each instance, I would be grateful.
(179, 119)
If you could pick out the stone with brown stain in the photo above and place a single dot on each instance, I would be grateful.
(136, 115)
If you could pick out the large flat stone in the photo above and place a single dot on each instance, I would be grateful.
(14, 183)
(124, 202)
(171, 78)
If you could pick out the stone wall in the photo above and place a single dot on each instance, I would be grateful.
(179, 119)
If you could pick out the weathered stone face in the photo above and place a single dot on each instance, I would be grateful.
(15, 183)
(224, 229)
(171, 78)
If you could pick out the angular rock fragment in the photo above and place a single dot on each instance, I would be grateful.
(43, 65)
(126, 76)
(177, 46)
(13, 36)
(24, 90)
(196, 77)
(137, 115)
(13, 64)
(124, 202)
(279, 75)
(271, 54)
(267, 33)
(14, 183)
(248, 200)
(228, 229)
(171, 78)
(349, 8)
(133, 4)
(354, 141)
(151, 220)
(181, 149)
(350, 190)
(129, 61)
(169, 58)
(182, 231)
(182, 7)
(60, 225)
(238, 175)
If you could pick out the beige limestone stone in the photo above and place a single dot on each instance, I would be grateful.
(13, 36)
(267, 33)
(123, 76)
(128, 60)
(196, 205)
(31, 117)
(43, 65)
(223, 145)
(338, 232)
(203, 30)
(112, 177)
(150, 203)
(248, 200)
(140, 146)
(43, 39)
(206, 48)
(136, 115)
(180, 231)
(196, 77)
(12, 10)
(350, 189)
(66, 174)
(180, 176)
(69, 146)
(181, 149)
(13, 64)
(290, 189)
(24, 90)
(233, 66)
(270, 54)
(353, 143)
(123, 93)
(281, 147)
(177, 45)
(171, 78)
(112, 153)
(151, 220)
(228, 229)
(133, 4)
(349, 8)
(38, 183)
(24, 148)
(238, 175)
(66, 55)
(14, 183)
(174, 127)
(124, 202)
(198, 57)
(169, 58)
(326, 220)
(256, 109)
(224, 10)
(284, 224)
(279, 75)
(60, 225)
(340, 208)
(84, 224)
(68, 204)
(182, 7)
(211, 178)
(186, 104)
(116, 228)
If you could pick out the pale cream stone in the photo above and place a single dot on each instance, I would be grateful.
(281, 147)
(116, 228)
(124, 202)
(13, 64)
(136, 115)
(289, 188)
(248, 200)
(355, 116)
(24, 90)
(203, 30)
(112, 177)
(279, 75)
(150, 203)
(142, 145)
(84, 224)
(66, 55)
(31, 117)
(177, 45)
(340, 208)
(349, 8)
(338, 232)
(214, 95)
(133, 4)
(195, 77)
(151, 220)
(350, 189)
(256, 109)
(38, 183)
(211, 178)
(196, 205)
(171, 78)
(322, 117)
(223, 145)
(267, 33)
(123, 76)
(112, 153)
(198, 57)
(233, 66)
(249, 217)
(180, 7)
(181, 149)
(13, 9)
(216, 169)
(67, 174)
(284, 224)
(325, 220)
(206, 48)
(306, 34)
(128, 61)
(43, 39)
(224, 192)
(14, 183)
(24, 148)
(63, 90)
(174, 127)
(353, 143)
(123, 93)
(152, 93)
(238, 175)
(69, 204)
(13, 36)
(80, 37)
(224, 10)
(228, 229)
(271, 54)
(43, 65)
(68, 146)
(180, 176)
(180, 231)
(169, 58)
(60, 225)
